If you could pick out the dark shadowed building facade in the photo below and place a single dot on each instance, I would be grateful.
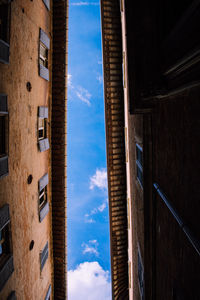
(151, 76)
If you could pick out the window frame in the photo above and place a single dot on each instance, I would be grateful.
(140, 267)
(4, 134)
(6, 258)
(44, 42)
(43, 142)
(5, 42)
(43, 208)
(139, 164)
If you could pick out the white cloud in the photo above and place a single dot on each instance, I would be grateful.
(83, 95)
(94, 211)
(99, 179)
(69, 80)
(102, 207)
(89, 282)
(81, 3)
(89, 220)
(91, 247)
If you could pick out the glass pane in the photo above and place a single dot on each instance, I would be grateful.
(139, 155)
(140, 176)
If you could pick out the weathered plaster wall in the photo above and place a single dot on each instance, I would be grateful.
(24, 157)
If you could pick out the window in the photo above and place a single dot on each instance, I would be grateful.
(42, 197)
(4, 30)
(41, 128)
(12, 296)
(140, 274)
(48, 295)
(43, 204)
(139, 164)
(3, 136)
(44, 256)
(43, 142)
(43, 55)
(6, 258)
(44, 46)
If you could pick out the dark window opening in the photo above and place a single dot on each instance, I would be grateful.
(41, 128)
(2, 136)
(139, 164)
(4, 244)
(6, 258)
(4, 22)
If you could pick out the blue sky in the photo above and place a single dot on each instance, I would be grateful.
(88, 221)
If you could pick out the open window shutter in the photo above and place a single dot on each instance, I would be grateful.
(44, 38)
(4, 216)
(4, 166)
(43, 112)
(47, 4)
(44, 256)
(3, 104)
(48, 293)
(43, 145)
(4, 52)
(43, 181)
(44, 72)
(12, 296)
(7, 269)
(44, 211)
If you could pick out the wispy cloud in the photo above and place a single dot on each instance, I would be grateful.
(91, 247)
(78, 91)
(89, 220)
(83, 3)
(94, 211)
(90, 281)
(99, 179)
(83, 95)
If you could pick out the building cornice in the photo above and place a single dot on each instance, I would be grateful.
(59, 147)
(115, 141)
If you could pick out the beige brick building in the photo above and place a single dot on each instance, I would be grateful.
(33, 72)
